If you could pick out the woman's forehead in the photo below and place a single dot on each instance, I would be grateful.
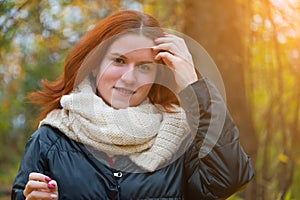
(131, 43)
(142, 54)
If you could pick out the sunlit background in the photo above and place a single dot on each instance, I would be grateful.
(255, 44)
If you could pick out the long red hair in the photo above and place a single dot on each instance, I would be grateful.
(49, 97)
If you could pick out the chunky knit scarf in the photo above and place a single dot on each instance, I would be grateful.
(147, 135)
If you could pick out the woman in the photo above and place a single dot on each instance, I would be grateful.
(129, 119)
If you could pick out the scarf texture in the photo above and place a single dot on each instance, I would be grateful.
(147, 135)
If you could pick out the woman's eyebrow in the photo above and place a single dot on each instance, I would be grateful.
(118, 55)
(146, 62)
(140, 62)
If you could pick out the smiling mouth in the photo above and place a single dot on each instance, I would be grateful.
(124, 91)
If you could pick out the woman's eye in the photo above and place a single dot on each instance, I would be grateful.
(144, 67)
(119, 61)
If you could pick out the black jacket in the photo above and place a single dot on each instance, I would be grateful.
(80, 175)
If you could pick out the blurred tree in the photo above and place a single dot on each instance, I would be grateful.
(256, 47)
(274, 64)
(219, 27)
(168, 12)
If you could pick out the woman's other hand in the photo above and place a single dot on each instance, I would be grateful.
(40, 186)
(175, 54)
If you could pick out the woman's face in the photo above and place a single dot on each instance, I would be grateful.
(127, 71)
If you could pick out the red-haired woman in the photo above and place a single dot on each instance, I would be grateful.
(129, 119)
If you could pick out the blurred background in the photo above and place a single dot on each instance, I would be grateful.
(255, 44)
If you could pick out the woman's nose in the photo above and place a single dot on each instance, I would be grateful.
(129, 76)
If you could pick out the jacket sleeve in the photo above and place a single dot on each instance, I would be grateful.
(33, 161)
(216, 165)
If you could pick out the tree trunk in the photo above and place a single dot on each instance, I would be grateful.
(218, 27)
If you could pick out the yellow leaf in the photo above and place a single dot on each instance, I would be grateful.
(283, 158)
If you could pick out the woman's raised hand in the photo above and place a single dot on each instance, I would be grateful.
(40, 186)
(175, 54)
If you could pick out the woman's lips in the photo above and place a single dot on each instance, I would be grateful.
(124, 91)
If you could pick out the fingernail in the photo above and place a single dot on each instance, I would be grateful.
(53, 196)
(48, 179)
(51, 186)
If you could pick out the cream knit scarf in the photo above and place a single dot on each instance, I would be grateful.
(148, 136)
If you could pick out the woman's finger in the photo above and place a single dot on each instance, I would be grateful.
(39, 177)
(174, 45)
(41, 190)
(169, 38)
(183, 71)
(167, 57)
(40, 183)
(172, 39)
(175, 54)
(52, 185)
(166, 47)
(41, 195)
(34, 185)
